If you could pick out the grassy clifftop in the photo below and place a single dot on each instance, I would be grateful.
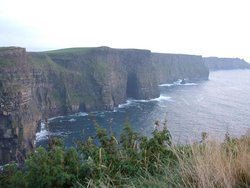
(11, 56)
(70, 50)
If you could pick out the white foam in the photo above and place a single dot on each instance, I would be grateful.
(177, 83)
(42, 134)
(133, 102)
(189, 84)
(142, 100)
(80, 114)
(166, 85)
(72, 120)
(162, 98)
(125, 105)
(53, 118)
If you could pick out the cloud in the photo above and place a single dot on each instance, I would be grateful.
(207, 28)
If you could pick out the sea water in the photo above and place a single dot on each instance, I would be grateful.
(218, 106)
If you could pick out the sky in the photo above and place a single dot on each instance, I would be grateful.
(201, 27)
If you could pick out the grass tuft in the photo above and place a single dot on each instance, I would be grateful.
(215, 164)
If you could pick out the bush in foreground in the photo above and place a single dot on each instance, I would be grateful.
(134, 161)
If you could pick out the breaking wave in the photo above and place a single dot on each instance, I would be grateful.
(54, 118)
(162, 98)
(42, 134)
(72, 120)
(178, 83)
(166, 85)
(79, 114)
(133, 102)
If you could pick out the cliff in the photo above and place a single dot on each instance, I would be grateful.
(215, 63)
(88, 79)
(171, 67)
(35, 85)
(18, 112)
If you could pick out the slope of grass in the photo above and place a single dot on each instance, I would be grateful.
(42, 61)
(69, 51)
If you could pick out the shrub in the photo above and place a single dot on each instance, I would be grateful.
(134, 160)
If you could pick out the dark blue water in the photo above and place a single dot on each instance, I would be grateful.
(216, 106)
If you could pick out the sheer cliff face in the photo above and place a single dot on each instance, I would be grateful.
(60, 82)
(215, 63)
(92, 79)
(18, 112)
(171, 67)
(142, 81)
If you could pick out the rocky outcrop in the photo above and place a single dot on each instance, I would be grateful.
(171, 67)
(215, 63)
(35, 85)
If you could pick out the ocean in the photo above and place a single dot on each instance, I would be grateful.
(218, 106)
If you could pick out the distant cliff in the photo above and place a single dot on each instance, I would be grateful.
(35, 85)
(215, 63)
(171, 67)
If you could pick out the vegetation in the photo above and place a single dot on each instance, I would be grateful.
(6, 62)
(134, 161)
(7, 48)
(40, 60)
(218, 165)
(70, 51)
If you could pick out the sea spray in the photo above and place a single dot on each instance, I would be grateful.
(42, 134)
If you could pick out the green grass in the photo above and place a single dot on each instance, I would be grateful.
(67, 51)
(7, 48)
(7, 62)
(43, 62)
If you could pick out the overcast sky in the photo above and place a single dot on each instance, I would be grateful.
(202, 27)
